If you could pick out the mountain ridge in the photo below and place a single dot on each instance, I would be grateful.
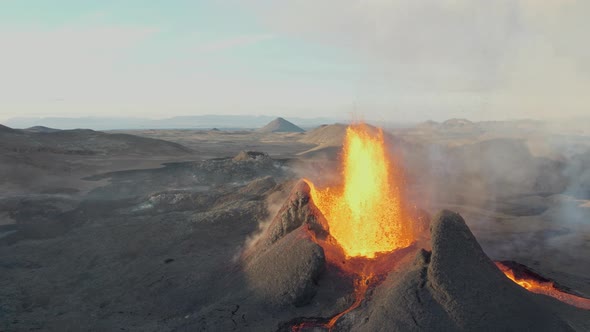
(177, 122)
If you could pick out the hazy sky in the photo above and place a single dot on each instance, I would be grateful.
(404, 60)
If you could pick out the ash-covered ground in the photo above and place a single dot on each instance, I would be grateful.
(148, 231)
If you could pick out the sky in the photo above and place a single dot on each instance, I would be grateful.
(396, 60)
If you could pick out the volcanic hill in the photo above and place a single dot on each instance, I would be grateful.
(288, 282)
(280, 125)
(83, 142)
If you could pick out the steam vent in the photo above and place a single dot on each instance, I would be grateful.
(355, 257)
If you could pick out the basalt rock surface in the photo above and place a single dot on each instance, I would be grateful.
(456, 287)
(283, 266)
(450, 285)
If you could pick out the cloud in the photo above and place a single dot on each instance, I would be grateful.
(420, 59)
(523, 58)
(103, 69)
(39, 64)
(231, 43)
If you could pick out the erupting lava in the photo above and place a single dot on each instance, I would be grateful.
(537, 284)
(365, 216)
(369, 228)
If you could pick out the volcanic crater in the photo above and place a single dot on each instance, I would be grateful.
(443, 282)
(356, 257)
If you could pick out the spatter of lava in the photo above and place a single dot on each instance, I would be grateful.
(365, 214)
(369, 226)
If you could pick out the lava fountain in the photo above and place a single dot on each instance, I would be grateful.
(365, 215)
(366, 229)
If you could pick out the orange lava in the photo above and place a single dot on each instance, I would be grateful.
(360, 289)
(365, 215)
(545, 287)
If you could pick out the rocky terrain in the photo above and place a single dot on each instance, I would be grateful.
(184, 230)
(82, 142)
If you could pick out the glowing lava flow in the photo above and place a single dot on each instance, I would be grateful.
(365, 216)
(360, 289)
(545, 287)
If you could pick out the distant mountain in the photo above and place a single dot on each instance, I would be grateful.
(280, 125)
(179, 122)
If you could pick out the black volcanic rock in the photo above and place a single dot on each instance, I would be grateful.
(287, 273)
(84, 142)
(474, 292)
(456, 287)
(4, 129)
(280, 125)
(295, 212)
(404, 302)
(258, 186)
(284, 265)
(453, 287)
